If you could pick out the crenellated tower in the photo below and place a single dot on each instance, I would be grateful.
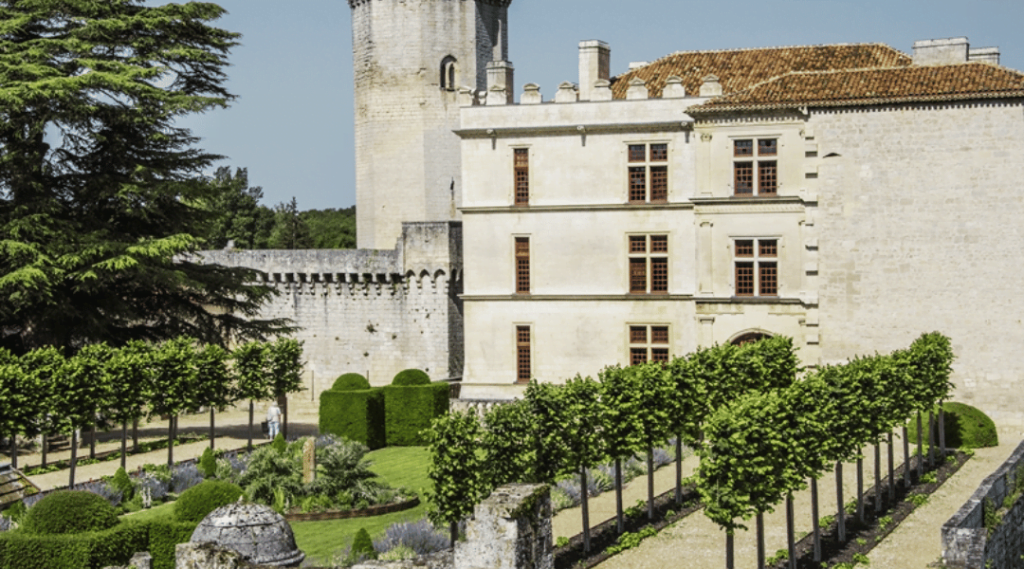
(411, 58)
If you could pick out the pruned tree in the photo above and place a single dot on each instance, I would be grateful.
(250, 366)
(174, 384)
(456, 469)
(621, 417)
(285, 365)
(82, 390)
(131, 380)
(507, 444)
(214, 388)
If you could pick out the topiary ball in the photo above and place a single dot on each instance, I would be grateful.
(70, 511)
(362, 546)
(350, 382)
(198, 501)
(411, 378)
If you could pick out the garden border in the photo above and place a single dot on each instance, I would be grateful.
(347, 514)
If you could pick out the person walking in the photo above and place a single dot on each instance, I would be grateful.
(273, 419)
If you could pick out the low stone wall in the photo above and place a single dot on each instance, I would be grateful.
(966, 542)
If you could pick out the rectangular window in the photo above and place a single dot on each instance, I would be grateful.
(523, 354)
(757, 269)
(648, 343)
(648, 173)
(648, 264)
(521, 166)
(523, 265)
(752, 176)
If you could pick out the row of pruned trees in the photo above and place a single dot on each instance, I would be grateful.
(562, 430)
(764, 446)
(47, 392)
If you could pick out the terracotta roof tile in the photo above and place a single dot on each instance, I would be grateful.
(741, 69)
(874, 86)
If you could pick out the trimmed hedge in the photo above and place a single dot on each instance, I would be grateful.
(411, 378)
(410, 410)
(355, 415)
(198, 501)
(163, 539)
(965, 426)
(115, 546)
(70, 512)
(350, 382)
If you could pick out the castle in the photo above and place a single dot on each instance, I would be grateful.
(848, 196)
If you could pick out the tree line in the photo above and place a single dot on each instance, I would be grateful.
(44, 392)
(760, 433)
(238, 217)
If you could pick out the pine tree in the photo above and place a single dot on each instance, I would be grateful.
(100, 192)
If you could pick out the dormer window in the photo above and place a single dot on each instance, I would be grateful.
(449, 73)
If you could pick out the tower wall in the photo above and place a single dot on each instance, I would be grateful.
(408, 164)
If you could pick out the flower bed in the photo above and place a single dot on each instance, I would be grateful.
(296, 515)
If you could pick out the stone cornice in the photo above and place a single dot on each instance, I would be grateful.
(574, 129)
(574, 207)
(498, 3)
(572, 297)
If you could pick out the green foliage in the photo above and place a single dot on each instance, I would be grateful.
(290, 230)
(121, 481)
(965, 426)
(213, 386)
(456, 469)
(285, 365)
(411, 378)
(130, 372)
(114, 546)
(350, 382)
(918, 500)
(780, 556)
(990, 515)
(269, 470)
(929, 478)
(362, 546)
(410, 410)
(235, 212)
(331, 228)
(100, 211)
(354, 415)
(343, 468)
(208, 464)
(629, 540)
(164, 536)
(562, 541)
(198, 501)
(622, 412)
(860, 559)
(279, 444)
(508, 444)
(69, 511)
(251, 371)
(884, 522)
(826, 521)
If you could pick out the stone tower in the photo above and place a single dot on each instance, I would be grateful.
(410, 59)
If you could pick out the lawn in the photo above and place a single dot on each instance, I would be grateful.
(399, 466)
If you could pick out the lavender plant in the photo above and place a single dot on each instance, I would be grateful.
(419, 536)
(103, 489)
(185, 476)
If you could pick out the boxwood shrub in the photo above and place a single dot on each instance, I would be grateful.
(409, 410)
(410, 378)
(965, 426)
(164, 536)
(111, 547)
(355, 415)
(198, 501)
(70, 512)
(350, 382)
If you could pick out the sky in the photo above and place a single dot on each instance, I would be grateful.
(292, 124)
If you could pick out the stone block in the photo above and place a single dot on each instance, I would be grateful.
(511, 529)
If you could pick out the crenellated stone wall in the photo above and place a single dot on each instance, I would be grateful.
(374, 312)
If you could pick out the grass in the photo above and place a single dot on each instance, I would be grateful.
(163, 511)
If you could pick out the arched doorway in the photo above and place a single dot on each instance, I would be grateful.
(749, 337)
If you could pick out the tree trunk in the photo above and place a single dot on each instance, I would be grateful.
(760, 540)
(74, 459)
(920, 448)
(942, 431)
(860, 490)
(46, 448)
(791, 546)
(453, 533)
(906, 458)
(14, 451)
(284, 415)
(124, 444)
(251, 407)
(730, 550)
(841, 509)
(679, 470)
(650, 483)
(620, 522)
(170, 443)
(814, 520)
(931, 439)
(92, 442)
(878, 476)
(585, 510)
(212, 425)
(892, 482)
(135, 435)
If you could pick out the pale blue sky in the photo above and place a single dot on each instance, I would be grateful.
(292, 123)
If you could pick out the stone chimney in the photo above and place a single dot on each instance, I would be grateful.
(567, 93)
(986, 54)
(531, 95)
(941, 52)
(595, 65)
(711, 87)
(499, 78)
(674, 88)
(637, 89)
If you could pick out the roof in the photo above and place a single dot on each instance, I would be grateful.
(741, 69)
(962, 81)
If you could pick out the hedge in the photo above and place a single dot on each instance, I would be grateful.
(115, 546)
(355, 415)
(164, 537)
(409, 410)
(70, 512)
(411, 378)
(200, 500)
(965, 426)
(350, 382)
